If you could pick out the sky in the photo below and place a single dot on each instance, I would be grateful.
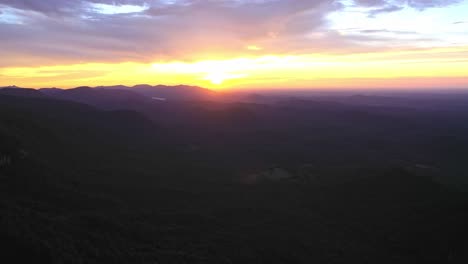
(235, 44)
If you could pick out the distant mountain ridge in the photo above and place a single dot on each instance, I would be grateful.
(109, 99)
(175, 92)
(118, 96)
(16, 91)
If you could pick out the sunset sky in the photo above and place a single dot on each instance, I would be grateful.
(235, 44)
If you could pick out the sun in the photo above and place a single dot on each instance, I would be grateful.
(216, 72)
(216, 78)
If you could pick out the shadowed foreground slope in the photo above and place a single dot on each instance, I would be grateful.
(80, 187)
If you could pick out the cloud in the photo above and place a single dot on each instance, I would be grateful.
(377, 31)
(77, 31)
(423, 4)
(420, 4)
(183, 30)
(388, 6)
(63, 7)
(385, 9)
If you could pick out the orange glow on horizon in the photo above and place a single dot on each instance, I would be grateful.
(411, 68)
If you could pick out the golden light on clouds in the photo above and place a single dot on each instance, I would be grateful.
(218, 77)
(254, 47)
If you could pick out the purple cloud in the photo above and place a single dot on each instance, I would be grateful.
(71, 31)
(387, 6)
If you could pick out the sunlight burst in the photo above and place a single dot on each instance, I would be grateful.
(218, 77)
